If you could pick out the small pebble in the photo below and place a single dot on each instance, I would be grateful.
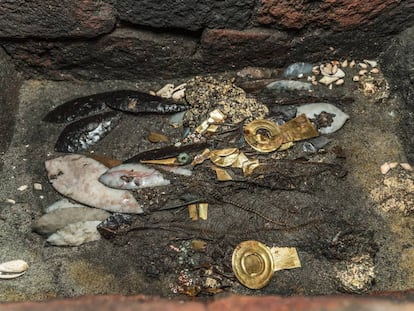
(407, 167)
(352, 64)
(374, 70)
(372, 63)
(11, 201)
(37, 186)
(363, 65)
(23, 188)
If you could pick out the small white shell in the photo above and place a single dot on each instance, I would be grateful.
(363, 65)
(374, 70)
(166, 91)
(17, 265)
(372, 63)
(340, 82)
(406, 166)
(352, 64)
(385, 168)
(362, 72)
(355, 78)
(344, 64)
(328, 80)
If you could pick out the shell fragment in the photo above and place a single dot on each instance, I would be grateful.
(13, 269)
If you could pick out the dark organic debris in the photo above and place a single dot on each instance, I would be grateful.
(291, 174)
(114, 225)
(82, 134)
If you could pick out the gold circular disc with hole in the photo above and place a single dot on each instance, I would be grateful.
(253, 264)
(263, 135)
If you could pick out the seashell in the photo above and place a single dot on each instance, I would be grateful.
(352, 64)
(385, 168)
(76, 176)
(362, 72)
(326, 69)
(310, 110)
(406, 166)
(344, 64)
(355, 78)
(362, 65)
(166, 91)
(133, 176)
(326, 80)
(76, 234)
(340, 82)
(374, 70)
(179, 94)
(369, 87)
(14, 266)
(316, 71)
(372, 63)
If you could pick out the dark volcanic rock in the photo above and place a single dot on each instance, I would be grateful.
(191, 15)
(55, 19)
(124, 54)
(9, 96)
(385, 15)
(398, 65)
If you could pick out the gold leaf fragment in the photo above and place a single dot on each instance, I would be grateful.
(203, 210)
(192, 210)
(285, 258)
(200, 158)
(222, 174)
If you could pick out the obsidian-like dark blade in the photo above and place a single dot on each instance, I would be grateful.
(166, 152)
(82, 134)
(76, 109)
(139, 102)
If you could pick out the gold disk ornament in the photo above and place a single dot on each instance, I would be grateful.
(253, 264)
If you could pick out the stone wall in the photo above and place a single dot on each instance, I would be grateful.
(131, 39)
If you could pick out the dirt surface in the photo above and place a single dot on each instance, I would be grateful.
(333, 221)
